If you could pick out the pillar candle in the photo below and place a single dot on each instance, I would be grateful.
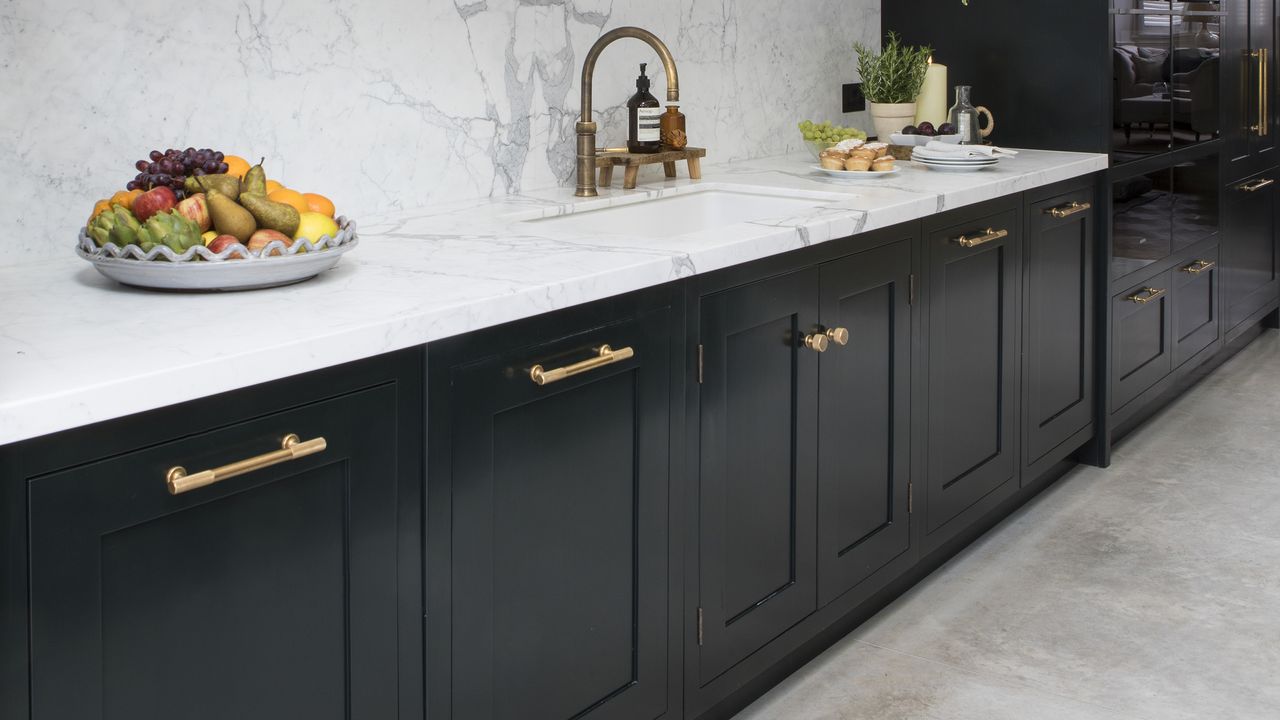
(931, 105)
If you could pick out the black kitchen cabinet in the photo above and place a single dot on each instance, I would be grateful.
(1249, 48)
(1196, 294)
(1249, 260)
(973, 283)
(864, 429)
(549, 493)
(758, 465)
(1058, 326)
(1141, 343)
(269, 594)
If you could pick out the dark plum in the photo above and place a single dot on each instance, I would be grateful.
(946, 129)
(910, 130)
(926, 128)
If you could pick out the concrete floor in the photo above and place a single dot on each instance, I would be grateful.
(1146, 591)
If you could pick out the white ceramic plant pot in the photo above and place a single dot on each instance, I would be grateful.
(890, 118)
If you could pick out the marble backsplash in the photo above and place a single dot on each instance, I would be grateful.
(385, 104)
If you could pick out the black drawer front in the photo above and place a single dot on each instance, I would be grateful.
(268, 594)
(1196, 289)
(1142, 353)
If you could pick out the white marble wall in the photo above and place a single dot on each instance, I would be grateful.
(384, 104)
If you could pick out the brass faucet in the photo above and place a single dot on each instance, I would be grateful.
(586, 127)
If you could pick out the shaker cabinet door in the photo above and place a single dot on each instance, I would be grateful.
(1141, 346)
(267, 595)
(864, 413)
(1058, 322)
(973, 363)
(556, 520)
(758, 464)
(1249, 259)
(1195, 323)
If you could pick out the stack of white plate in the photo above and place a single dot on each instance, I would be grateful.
(952, 161)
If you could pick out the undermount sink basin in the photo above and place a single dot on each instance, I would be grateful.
(683, 214)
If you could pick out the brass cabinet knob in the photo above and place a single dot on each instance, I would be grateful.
(838, 335)
(816, 342)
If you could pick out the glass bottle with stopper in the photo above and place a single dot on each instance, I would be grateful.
(644, 118)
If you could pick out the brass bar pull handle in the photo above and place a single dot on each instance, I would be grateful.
(974, 241)
(838, 335)
(1069, 209)
(1199, 266)
(1264, 102)
(605, 355)
(1146, 295)
(291, 448)
(1256, 185)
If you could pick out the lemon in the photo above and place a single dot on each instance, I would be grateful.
(314, 225)
(208, 236)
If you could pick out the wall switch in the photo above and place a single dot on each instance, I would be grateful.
(851, 98)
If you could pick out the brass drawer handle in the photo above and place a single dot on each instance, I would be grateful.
(987, 236)
(838, 335)
(605, 355)
(1256, 185)
(1199, 266)
(1151, 294)
(817, 342)
(291, 448)
(1069, 209)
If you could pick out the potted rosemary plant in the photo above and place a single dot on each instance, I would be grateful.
(891, 81)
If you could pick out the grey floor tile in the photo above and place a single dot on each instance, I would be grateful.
(1151, 588)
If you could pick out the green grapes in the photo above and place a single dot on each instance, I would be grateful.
(825, 132)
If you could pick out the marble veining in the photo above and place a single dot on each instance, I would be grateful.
(386, 105)
(76, 348)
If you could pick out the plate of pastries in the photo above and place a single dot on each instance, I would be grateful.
(855, 159)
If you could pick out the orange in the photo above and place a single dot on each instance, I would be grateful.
(272, 186)
(125, 198)
(319, 203)
(289, 197)
(236, 165)
(100, 207)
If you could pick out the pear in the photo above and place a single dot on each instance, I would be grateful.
(271, 214)
(255, 181)
(229, 218)
(228, 185)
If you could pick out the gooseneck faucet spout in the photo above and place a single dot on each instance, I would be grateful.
(586, 127)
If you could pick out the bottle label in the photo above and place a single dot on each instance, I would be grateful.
(648, 123)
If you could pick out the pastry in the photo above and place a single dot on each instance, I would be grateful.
(833, 152)
(882, 164)
(864, 153)
(881, 149)
(857, 164)
(830, 162)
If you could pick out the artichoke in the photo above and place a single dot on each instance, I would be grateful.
(170, 228)
(117, 225)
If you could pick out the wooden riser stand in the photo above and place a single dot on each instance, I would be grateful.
(607, 159)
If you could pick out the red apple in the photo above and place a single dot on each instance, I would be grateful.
(222, 242)
(261, 238)
(155, 200)
(195, 208)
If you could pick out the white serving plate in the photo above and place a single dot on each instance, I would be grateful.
(199, 269)
(855, 174)
(948, 167)
(922, 140)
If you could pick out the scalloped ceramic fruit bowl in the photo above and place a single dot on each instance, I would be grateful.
(235, 268)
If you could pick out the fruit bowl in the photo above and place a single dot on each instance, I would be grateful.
(235, 268)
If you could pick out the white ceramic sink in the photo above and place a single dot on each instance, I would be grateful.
(683, 214)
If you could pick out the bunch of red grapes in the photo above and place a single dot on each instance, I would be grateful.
(171, 168)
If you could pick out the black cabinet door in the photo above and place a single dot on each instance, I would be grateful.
(1141, 345)
(864, 426)
(758, 433)
(973, 363)
(1058, 322)
(1195, 306)
(558, 539)
(1249, 260)
(267, 595)
(1248, 95)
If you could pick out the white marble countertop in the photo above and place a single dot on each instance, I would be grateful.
(76, 348)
